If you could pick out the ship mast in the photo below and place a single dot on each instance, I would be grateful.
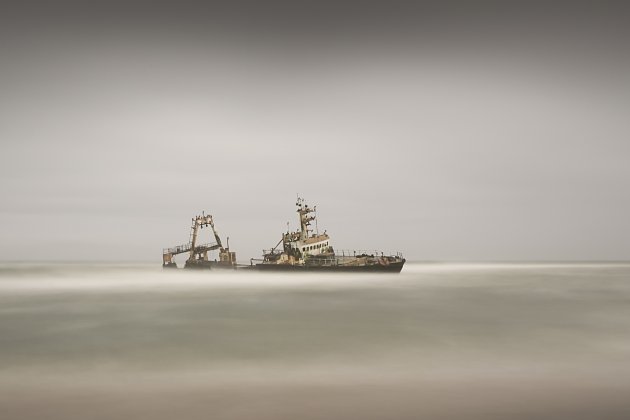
(305, 220)
(198, 222)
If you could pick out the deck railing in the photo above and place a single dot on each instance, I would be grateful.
(180, 249)
(367, 252)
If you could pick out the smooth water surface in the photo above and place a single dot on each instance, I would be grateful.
(438, 341)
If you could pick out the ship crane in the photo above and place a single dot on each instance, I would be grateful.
(216, 235)
(201, 252)
(198, 253)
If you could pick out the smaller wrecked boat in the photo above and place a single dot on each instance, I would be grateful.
(305, 250)
(198, 253)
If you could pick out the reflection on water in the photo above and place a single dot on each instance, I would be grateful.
(437, 341)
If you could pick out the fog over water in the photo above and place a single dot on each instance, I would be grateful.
(452, 341)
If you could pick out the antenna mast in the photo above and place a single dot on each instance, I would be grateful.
(305, 219)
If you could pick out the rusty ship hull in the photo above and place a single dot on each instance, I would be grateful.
(209, 265)
(394, 267)
(308, 250)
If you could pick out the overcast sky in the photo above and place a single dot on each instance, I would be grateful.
(448, 131)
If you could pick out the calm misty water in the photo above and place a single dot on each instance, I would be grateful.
(438, 341)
